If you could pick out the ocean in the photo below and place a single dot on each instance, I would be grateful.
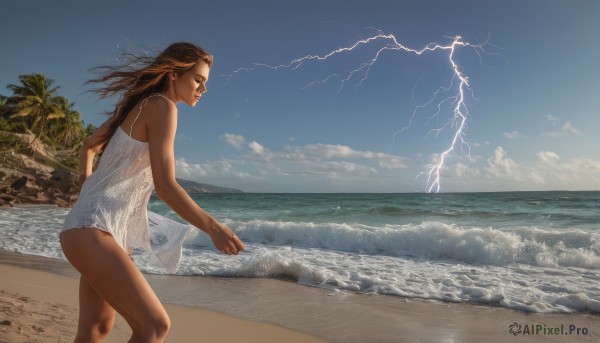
(529, 251)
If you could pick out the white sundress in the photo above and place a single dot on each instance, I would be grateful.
(114, 198)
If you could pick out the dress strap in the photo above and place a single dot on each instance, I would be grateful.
(143, 104)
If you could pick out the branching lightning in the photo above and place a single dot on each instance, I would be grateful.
(460, 111)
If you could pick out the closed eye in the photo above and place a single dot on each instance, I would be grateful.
(201, 79)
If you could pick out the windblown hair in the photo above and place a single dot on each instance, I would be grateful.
(141, 76)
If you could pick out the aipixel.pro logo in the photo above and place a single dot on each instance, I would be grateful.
(544, 330)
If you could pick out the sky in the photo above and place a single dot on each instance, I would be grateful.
(533, 116)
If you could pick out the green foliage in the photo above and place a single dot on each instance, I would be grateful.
(72, 161)
(67, 129)
(36, 107)
(12, 142)
(3, 105)
(5, 125)
(35, 99)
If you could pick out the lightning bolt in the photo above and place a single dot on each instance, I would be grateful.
(459, 82)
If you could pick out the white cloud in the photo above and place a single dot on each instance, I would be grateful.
(551, 119)
(513, 135)
(566, 129)
(256, 147)
(237, 141)
(313, 167)
(329, 151)
(209, 170)
(548, 157)
(325, 167)
(500, 165)
(338, 168)
(548, 171)
(318, 159)
(460, 170)
(188, 170)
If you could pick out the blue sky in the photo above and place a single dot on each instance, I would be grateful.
(533, 117)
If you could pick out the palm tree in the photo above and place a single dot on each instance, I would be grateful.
(68, 128)
(4, 125)
(89, 130)
(35, 99)
(3, 105)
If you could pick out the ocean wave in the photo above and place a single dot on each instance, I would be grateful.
(536, 269)
(520, 287)
(430, 240)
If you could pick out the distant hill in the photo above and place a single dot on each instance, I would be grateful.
(196, 187)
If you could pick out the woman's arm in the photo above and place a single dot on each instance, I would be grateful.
(161, 128)
(91, 148)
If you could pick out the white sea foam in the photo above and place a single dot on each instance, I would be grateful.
(522, 287)
(431, 240)
(32, 229)
(525, 268)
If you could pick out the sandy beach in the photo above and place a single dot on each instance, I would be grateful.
(38, 303)
(41, 306)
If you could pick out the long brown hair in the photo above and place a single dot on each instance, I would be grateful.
(141, 76)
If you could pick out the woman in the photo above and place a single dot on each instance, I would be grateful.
(110, 217)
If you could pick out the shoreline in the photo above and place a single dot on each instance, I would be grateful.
(257, 309)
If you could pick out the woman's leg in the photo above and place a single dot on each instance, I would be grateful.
(96, 316)
(113, 275)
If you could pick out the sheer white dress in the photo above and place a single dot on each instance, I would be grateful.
(114, 198)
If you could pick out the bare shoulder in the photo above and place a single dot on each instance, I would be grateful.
(160, 114)
(158, 108)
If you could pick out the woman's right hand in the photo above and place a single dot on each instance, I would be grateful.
(226, 240)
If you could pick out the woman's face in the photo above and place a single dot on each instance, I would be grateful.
(190, 85)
